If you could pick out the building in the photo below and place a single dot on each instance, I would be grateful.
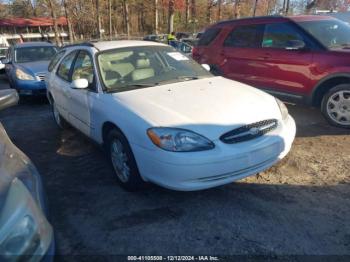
(30, 29)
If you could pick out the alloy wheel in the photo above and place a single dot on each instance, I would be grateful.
(120, 160)
(338, 107)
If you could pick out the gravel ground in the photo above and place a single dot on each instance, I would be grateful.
(299, 207)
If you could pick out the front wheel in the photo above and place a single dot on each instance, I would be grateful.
(123, 161)
(336, 106)
(59, 120)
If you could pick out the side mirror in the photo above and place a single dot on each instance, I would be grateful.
(80, 84)
(206, 67)
(295, 45)
(8, 97)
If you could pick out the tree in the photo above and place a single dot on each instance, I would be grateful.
(156, 21)
(171, 14)
(126, 17)
(54, 18)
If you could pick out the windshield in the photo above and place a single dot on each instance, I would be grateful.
(139, 67)
(32, 54)
(331, 33)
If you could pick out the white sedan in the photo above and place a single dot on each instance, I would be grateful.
(165, 119)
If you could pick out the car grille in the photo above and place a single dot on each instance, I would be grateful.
(249, 132)
(40, 76)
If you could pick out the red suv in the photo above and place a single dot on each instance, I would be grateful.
(300, 59)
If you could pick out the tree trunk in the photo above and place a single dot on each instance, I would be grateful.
(187, 15)
(219, 3)
(69, 22)
(156, 21)
(209, 6)
(171, 16)
(255, 6)
(237, 9)
(55, 26)
(126, 17)
(99, 33)
(110, 19)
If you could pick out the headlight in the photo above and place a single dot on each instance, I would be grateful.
(283, 109)
(23, 239)
(24, 228)
(21, 75)
(178, 140)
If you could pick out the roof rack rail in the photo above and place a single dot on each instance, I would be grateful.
(248, 18)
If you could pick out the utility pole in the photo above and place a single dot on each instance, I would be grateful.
(255, 5)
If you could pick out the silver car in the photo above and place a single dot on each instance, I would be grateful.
(24, 228)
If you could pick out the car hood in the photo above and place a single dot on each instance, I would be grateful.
(210, 106)
(34, 67)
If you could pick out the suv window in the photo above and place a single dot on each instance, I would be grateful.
(280, 35)
(64, 68)
(56, 59)
(246, 36)
(208, 36)
(83, 68)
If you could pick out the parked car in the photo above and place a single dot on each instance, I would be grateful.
(181, 35)
(26, 66)
(190, 41)
(165, 119)
(25, 233)
(162, 38)
(182, 47)
(3, 51)
(301, 59)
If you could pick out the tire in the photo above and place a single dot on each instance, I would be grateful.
(215, 71)
(59, 120)
(335, 106)
(123, 161)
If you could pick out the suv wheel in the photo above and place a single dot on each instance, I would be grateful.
(59, 120)
(336, 106)
(123, 161)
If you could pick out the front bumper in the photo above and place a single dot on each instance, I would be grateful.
(222, 165)
(30, 88)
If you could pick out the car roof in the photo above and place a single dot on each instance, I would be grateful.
(108, 45)
(297, 18)
(30, 44)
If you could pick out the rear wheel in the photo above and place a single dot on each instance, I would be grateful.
(123, 161)
(59, 120)
(336, 106)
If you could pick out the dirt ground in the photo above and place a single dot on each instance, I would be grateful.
(299, 207)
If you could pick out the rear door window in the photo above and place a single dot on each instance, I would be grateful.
(280, 35)
(246, 36)
(56, 59)
(208, 36)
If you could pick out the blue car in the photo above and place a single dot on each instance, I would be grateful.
(26, 66)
